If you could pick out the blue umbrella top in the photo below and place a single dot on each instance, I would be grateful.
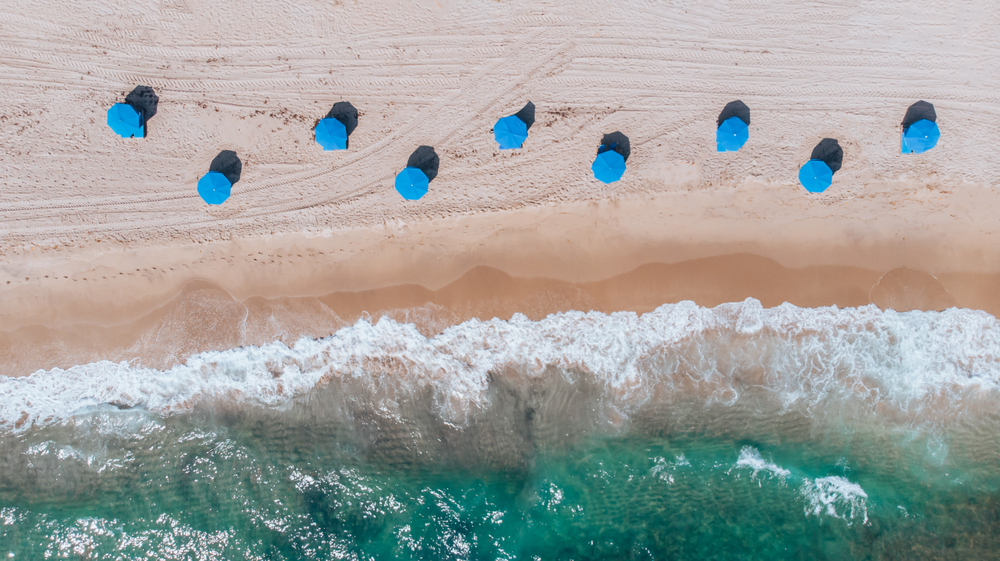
(412, 183)
(126, 121)
(331, 134)
(214, 188)
(920, 136)
(816, 176)
(510, 132)
(609, 166)
(731, 135)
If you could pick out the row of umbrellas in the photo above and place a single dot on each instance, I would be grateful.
(510, 133)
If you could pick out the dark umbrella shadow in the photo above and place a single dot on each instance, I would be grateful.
(623, 146)
(829, 152)
(735, 109)
(527, 114)
(346, 113)
(227, 163)
(426, 160)
(917, 111)
(144, 100)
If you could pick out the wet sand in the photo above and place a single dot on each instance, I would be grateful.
(157, 303)
(205, 316)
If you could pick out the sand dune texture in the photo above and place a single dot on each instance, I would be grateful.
(98, 229)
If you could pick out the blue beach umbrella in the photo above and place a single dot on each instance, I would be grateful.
(609, 166)
(412, 183)
(816, 176)
(920, 137)
(331, 134)
(510, 132)
(731, 135)
(214, 188)
(126, 121)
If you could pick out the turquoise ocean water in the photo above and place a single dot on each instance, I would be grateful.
(688, 433)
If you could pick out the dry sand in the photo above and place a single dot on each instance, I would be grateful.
(100, 236)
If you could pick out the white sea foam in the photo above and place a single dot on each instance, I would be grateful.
(750, 458)
(910, 365)
(835, 496)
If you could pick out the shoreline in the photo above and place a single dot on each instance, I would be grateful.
(160, 304)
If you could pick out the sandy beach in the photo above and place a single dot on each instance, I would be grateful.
(107, 252)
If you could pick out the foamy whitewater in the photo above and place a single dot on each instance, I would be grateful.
(731, 432)
(913, 366)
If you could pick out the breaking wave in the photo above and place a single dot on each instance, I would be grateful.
(905, 367)
(751, 459)
(833, 495)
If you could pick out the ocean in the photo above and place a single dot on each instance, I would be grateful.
(735, 432)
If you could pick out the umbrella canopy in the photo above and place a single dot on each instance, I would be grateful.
(126, 121)
(331, 134)
(609, 166)
(412, 183)
(214, 188)
(921, 136)
(510, 132)
(816, 176)
(731, 135)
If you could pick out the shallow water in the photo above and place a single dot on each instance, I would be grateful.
(730, 433)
